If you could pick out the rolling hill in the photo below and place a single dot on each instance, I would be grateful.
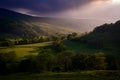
(105, 36)
(14, 24)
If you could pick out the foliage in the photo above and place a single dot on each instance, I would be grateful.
(72, 36)
(29, 64)
(105, 36)
(17, 25)
(64, 61)
(7, 43)
(7, 62)
(58, 46)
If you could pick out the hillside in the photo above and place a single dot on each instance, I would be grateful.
(105, 36)
(14, 24)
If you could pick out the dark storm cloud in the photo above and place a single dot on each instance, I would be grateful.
(43, 6)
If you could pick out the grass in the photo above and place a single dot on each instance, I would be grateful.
(31, 49)
(85, 75)
(36, 45)
(86, 48)
(34, 49)
(79, 47)
(24, 50)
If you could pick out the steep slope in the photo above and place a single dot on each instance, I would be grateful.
(105, 36)
(14, 24)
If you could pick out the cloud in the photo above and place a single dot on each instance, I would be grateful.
(100, 9)
(43, 6)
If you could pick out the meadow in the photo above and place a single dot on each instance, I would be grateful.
(32, 49)
(24, 50)
(77, 47)
(83, 75)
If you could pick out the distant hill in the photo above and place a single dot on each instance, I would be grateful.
(105, 36)
(14, 24)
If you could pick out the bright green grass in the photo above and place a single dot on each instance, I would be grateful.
(24, 50)
(79, 47)
(89, 75)
(36, 45)
(20, 52)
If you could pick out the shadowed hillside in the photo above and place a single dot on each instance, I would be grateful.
(104, 36)
(13, 24)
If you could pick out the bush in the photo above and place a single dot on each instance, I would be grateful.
(30, 64)
(64, 60)
(7, 62)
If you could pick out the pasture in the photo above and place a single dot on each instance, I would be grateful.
(24, 50)
(84, 75)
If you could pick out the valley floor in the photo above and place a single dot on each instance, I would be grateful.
(24, 50)
(84, 75)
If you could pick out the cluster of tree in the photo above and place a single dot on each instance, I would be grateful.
(6, 42)
(72, 36)
(58, 46)
(11, 42)
(65, 61)
(31, 41)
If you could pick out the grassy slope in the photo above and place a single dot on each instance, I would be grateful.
(86, 75)
(32, 49)
(85, 48)
(79, 47)
(14, 24)
(23, 50)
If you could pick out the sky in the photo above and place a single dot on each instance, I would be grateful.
(79, 9)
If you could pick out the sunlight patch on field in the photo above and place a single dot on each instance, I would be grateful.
(24, 50)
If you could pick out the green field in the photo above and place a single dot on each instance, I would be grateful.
(86, 48)
(79, 47)
(24, 50)
(32, 49)
(84, 75)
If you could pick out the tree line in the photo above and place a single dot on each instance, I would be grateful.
(6, 42)
(63, 62)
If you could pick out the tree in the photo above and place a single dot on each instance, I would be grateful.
(7, 43)
(64, 60)
(112, 63)
(79, 62)
(58, 46)
(41, 39)
(72, 36)
(7, 61)
(45, 58)
(30, 64)
(97, 61)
